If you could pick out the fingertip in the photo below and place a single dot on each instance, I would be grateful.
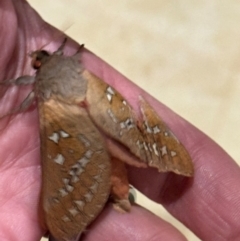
(139, 224)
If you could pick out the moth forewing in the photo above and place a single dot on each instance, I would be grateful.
(112, 113)
(168, 153)
(76, 169)
(148, 139)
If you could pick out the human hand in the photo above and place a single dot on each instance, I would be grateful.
(208, 204)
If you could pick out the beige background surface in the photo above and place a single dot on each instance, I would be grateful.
(185, 53)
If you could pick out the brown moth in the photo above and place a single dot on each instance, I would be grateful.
(84, 123)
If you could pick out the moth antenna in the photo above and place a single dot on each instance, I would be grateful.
(59, 51)
(80, 48)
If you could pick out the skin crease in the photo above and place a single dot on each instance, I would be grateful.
(208, 203)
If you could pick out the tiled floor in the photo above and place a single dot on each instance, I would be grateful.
(185, 53)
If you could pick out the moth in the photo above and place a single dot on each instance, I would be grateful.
(88, 131)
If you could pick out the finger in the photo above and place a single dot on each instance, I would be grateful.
(18, 201)
(210, 207)
(140, 224)
(208, 203)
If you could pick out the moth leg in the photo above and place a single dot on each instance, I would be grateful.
(24, 105)
(120, 186)
(22, 80)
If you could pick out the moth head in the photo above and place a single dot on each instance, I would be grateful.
(39, 57)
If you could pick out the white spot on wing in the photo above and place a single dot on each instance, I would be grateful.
(80, 171)
(149, 147)
(63, 192)
(83, 161)
(139, 144)
(156, 129)
(155, 149)
(113, 117)
(69, 188)
(166, 133)
(145, 146)
(128, 124)
(164, 150)
(148, 129)
(84, 140)
(88, 196)
(64, 134)
(110, 90)
(122, 125)
(109, 93)
(65, 219)
(91, 215)
(65, 180)
(173, 153)
(73, 211)
(97, 177)
(80, 204)
(94, 187)
(109, 97)
(76, 166)
(55, 200)
(88, 153)
(76, 170)
(74, 179)
(54, 137)
(101, 166)
(59, 159)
